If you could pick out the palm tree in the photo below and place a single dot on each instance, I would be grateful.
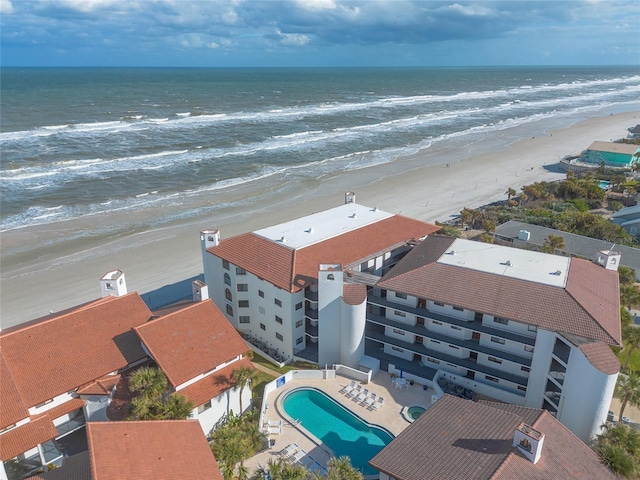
(176, 407)
(510, 193)
(148, 382)
(618, 447)
(631, 338)
(627, 390)
(240, 377)
(341, 469)
(629, 295)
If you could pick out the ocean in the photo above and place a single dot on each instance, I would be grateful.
(89, 142)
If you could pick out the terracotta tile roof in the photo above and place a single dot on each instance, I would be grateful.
(25, 437)
(601, 357)
(149, 450)
(292, 270)
(12, 409)
(569, 310)
(62, 409)
(102, 386)
(191, 341)
(212, 385)
(457, 438)
(75, 348)
(354, 294)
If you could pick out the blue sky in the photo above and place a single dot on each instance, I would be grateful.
(227, 33)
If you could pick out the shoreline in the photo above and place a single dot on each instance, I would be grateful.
(39, 279)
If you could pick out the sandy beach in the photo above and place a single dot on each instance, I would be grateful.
(37, 279)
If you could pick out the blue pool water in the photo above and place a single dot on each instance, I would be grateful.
(337, 427)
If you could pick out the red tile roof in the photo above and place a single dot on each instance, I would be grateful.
(25, 437)
(580, 309)
(457, 439)
(12, 409)
(212, 385)
(62, 409)
(354, 294)
(601, 357)
(62, 353)
(102, 386)
(191, 341)
(293, 269)
(149, 450)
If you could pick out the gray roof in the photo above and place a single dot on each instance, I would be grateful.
(577, 245)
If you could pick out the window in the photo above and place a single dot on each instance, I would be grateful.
(520, 387)
(277, 302)
(278, 320)
(299, 340)
(298, 306)
(497, 340)
(279, 337)
(397, 349)
(263, 326)
(205, 406)
(455, 347)
(240, 271)
(399, 332)
(532, 328)
(261, 310)
(455, 327)
(260, 293)
(492, 379)
(432, 360)
(438, 304)
(227, 279)
(527, 348)
(495, 360)
(525, 369)
(244, 319)
(225, 264)
(435, 322)
(243, 287)
(434, 341)
(503, 321)
(401, 295)
(227, 294)
(230, 310)
(243, 303)
(298, 323)
(459, 309)
(399, 313)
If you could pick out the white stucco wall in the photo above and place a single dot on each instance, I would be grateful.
(354, 318)
(329, 314)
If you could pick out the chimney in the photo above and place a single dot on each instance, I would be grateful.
(529, 441)
(199, 290)
(349, 197)
(609, 259)
(113, 284)
(209, 238)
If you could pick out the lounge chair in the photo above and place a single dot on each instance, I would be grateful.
(378, 404)
(296, 457)
(347, 388)
(360, 398)
(355, 392)
(369, 400)
(289, 450)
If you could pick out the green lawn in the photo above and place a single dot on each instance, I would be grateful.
(634, 363)
(292, 366)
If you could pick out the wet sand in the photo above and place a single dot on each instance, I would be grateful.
(430, 185)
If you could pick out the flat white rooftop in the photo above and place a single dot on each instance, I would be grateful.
(510, 262)
(321, 226)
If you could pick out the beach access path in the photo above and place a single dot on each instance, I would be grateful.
(33, 285)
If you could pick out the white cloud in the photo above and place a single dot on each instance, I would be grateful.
(89, 5)
(293, 39)
(6, 7)
(316, 5)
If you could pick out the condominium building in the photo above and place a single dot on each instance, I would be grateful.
(266, 282)
(518, 326)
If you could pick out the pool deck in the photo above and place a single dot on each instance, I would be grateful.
(388, 415)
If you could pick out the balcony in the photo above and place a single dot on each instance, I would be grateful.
(474, 325)
(311, 314)
(311, 296)
(557, 371)
(468, 344)
(561, 350)
(372, 334)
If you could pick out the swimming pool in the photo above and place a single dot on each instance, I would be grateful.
(335, 426)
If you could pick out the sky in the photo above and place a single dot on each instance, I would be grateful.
(318, 33)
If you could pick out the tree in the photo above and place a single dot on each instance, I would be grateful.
(148, 382)
(176, 407)
(629, 295)
(631, 339)
(341, 469)
(240, 377)
(626, 274)
(618, 446)
(627, 390)
(510, 193)
(553, 243)
(237, 439)
(466, 216)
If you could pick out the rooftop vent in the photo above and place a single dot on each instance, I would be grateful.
(354, 215)
(451, 252)
(375, 209)
(508, 263)
(557, 272)
(283, 239)
(309, 230)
